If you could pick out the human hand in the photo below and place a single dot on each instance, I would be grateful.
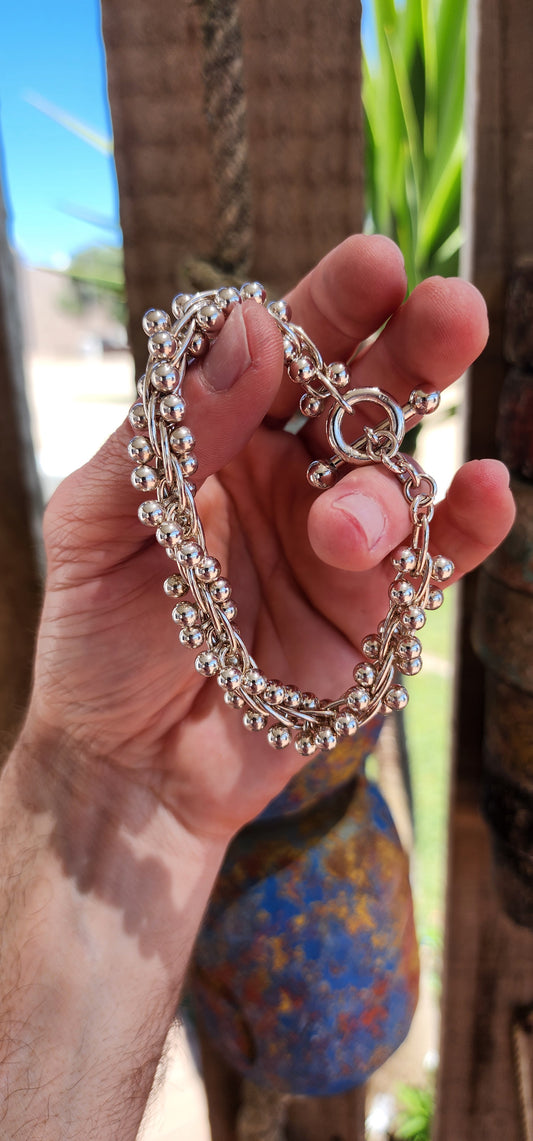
(310, 573)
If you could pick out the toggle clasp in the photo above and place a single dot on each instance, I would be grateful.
(387, 438)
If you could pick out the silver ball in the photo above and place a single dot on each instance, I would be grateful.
(137, 417)
(412, 667)
(227, 298)
(175, 586)
(320, 475)
(230, 678)
(358, 699)
(191, 637)
(198, 346)
(208, 569)
(338, 374)
(325, 738)
(435, 599)
(253, 291)
(188, 465)
(229, 609)
(140, 386)
(364, 674)
(309, 702)
(234, 699)
(424, 402)
(206, 663)
(409, 647)
(311, 405)
(182, 440)
(186, 614)
(290, 349)
(305, 744)
(443, 569)
(162, 344)
(396, 697)
(292, 698)
(402, 592)
(169, 534)
(302, 370)
(172, 408)
(220, 591)
(405, 560)
(279, 736)
(155, 320)
(254, 681)
(140, 449)
(413, 618)
(280, 309)
(254, 721)
(346, 725)
(180, 302)
(151, 513)
(274, 693)
(190, 554)
(144, 478)
(210, 319)
(371, 647)
(164, 377)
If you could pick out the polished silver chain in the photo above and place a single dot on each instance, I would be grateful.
(204, 610)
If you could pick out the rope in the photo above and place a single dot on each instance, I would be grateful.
(225, 108)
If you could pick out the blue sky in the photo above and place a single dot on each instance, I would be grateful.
(54, 50)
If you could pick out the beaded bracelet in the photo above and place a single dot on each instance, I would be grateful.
(163, 451)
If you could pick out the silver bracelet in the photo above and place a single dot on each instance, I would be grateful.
(163, 451)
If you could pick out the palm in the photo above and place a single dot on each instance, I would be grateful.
(113, 674)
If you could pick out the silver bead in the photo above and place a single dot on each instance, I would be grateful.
(320, 474)
(325, 738)
(253, 291)
(309, 702)
(162, 344)
(190, 554)
(198, 346)
(191, 637)
(227, 298)
(175, 586)
(338, 374)
(182, 440)
(220, 591)
(305, 744)
(208, 569)
(424, 402)
(210, 319)
(137, 417)
(169, 534)
(188, 465)
(396, 697)
(412, 667)
(155, 320)
(230, 678)
(279, 736)
(409, 647)
(206, 663)
(140, 449)
(234, 699)
(364, 674)
(358, 699)
(144, 478)
(292, 698)
(179, 303)
(290, 349)
(186, 614)
(151, 513)
(172, 408)
(141, 385)
(443, 569)
(164, 377)
(371, 647)
(229, 609)
(302, 370)
(311, 405)
(402, 592)
(435, 599)
(274, 693)
(346, 725)
(413, 618)
(254, 721)
(405, 560)
(280, 309)
(254, 682)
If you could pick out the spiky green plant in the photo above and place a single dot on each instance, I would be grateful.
(413, 98)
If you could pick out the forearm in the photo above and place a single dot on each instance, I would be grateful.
(99, 907)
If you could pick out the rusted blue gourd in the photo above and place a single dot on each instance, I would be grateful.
(305, 973)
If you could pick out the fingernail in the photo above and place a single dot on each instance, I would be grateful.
(366, 513)
(230, 356)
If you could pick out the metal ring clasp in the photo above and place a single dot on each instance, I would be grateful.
(356, 453)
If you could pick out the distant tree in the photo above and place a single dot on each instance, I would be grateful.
(96, 276)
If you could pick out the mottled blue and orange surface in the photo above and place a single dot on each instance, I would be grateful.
(305, 972)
